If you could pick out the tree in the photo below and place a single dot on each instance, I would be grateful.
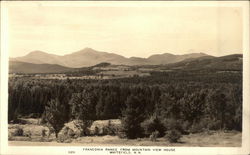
(236, 99)
(153, 124)
(132, 117)
(82, 109)
(168, 107)
(217, 106)
(56, 115)
(100, 107)
(173, 136)
(193, 106)
(111, 106)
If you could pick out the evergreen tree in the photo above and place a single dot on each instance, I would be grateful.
(132, 117)
(82, 109)
(56, 115)
(217, 106)
(193, 106)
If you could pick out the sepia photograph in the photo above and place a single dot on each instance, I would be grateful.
(125, 77)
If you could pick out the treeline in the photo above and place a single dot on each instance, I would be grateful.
(189, 102)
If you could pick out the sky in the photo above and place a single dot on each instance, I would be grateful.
(128, 31)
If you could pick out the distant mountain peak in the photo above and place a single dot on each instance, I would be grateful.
(160, 55)
(36, 52)
(87, 49)
(84, 51)
(40, 53)
(200, 54)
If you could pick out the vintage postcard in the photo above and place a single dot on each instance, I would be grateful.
(125, 77)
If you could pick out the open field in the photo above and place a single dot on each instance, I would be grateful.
(212, 139)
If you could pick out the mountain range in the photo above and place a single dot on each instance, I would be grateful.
(89, 57)
(41, 62)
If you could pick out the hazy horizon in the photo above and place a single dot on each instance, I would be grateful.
(127, 31)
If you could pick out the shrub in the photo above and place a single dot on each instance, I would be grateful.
(214, 125)
(28, 134)
(153, 124)
(185, 125)
(18, 132)
(198, 127)
(81, 128)
(43, 119)
(154, 135)
(51, 130)
(173, 136)
(10, 138)
(121, 134)
(34, 115)
(110, 130)
(64, 139)
(14, 118)
(71, 133)
(172, 124)
(43, 132)
(96, 131)
(64, 135)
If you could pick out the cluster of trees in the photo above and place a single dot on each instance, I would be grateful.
(162, 102)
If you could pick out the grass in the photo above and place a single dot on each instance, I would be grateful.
(215, 139)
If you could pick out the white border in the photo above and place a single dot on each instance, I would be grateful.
(5, 149)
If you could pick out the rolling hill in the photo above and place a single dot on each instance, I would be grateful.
(229, 62)
(40, 57)
(23, 67)
(167, 58)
